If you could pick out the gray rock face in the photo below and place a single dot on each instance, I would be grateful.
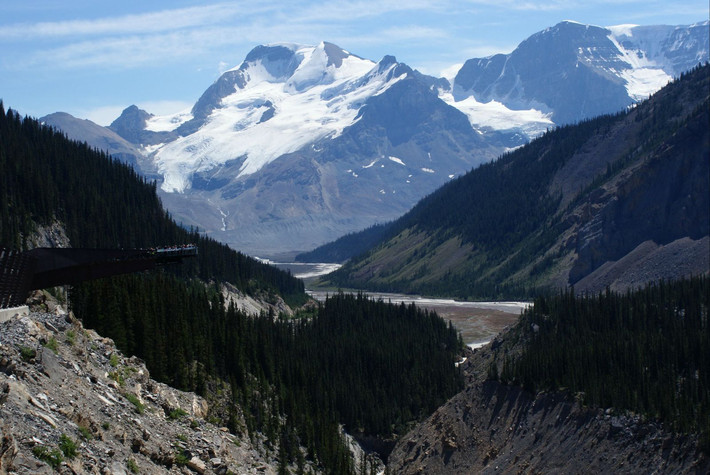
(665, 201)
(131, 126)
(59, 380)
(548, 70)
(649, 262)
(210, 99)
(279, 61)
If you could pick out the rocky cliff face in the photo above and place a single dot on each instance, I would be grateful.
(70, 400)
(664, 201)
(493, 428)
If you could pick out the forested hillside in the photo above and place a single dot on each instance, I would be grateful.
(556, 210)
(369, 366)
(344, 248)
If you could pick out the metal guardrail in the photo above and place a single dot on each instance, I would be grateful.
(15, 277)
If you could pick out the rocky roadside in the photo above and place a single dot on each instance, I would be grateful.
(493, 428)
(71, 402)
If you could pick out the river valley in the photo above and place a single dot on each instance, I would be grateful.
(478, 322)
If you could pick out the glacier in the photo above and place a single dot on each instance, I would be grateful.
(271, 116)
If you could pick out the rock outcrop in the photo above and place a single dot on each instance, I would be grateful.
(70, 401)
(494, 428)
(263, 303)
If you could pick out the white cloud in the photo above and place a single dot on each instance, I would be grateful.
(164, 47)
(547, 5)
(166, 20)
(133, 51)
(348, 11)
(412, 32)
(223, 66)
(590, 5)
(485, 50)
(543, 5)
(169, 36)
(211, 32)
(220, 13)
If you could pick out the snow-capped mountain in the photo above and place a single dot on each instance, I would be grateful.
(571, 72)
(299, 144)
(284, 97)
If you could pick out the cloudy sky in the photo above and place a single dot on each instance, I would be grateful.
(94, 58)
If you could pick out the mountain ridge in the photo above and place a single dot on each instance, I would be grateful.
(574, 200)
(332, 118)
(585, 70)
(400, 145)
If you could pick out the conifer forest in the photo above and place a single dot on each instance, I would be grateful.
(366, 365)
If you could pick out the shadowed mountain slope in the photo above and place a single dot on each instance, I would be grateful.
(583, 205)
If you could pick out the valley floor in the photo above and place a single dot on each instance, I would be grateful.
(478, 322)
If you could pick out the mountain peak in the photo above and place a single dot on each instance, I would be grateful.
(279, 61)
(387, 60)
(577, 33)
(335, 54)
(571, 22)
(271, 53)
(287, 52)
(388, 64)
(295, 117)
(558, 70)
(135, 111)
(129, 124)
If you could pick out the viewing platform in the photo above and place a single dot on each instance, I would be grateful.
(41, 268)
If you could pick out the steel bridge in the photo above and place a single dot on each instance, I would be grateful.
(41, 268)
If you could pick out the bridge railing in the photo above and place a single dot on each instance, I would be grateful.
(179, 251)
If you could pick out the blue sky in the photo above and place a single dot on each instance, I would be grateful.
(93, 58)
